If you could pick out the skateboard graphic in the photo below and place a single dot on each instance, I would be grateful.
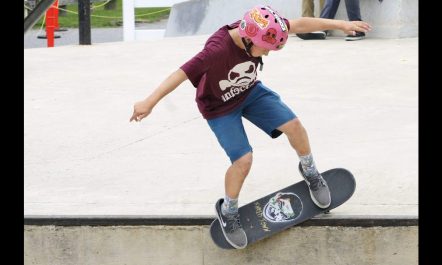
(287, 207)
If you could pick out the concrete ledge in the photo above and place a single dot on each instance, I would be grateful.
(141, 244)
(141, 220)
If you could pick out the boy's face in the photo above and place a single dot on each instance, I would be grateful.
(258, 51)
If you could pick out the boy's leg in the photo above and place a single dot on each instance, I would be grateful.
(236, 174)
(274, 117)
(227, 208)
(229, 131)
(231, 135)
(298, 138)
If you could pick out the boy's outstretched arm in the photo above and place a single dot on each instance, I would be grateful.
(310, 24)
(144, 107)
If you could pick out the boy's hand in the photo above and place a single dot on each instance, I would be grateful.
(350, 27)
(141, 110)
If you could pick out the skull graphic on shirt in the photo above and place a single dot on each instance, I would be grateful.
(241, 75)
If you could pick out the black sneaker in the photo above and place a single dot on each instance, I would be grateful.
(316, 35)
(318, 187)
(359, 36)
(231, 227)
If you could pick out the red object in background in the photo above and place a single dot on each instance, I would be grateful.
(50, 24)
(56, 26)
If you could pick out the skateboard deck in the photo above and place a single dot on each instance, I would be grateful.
(287, 207)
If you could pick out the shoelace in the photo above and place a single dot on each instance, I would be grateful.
(235, 224)
(316, 182)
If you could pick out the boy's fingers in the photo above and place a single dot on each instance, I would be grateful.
(134, 116)
(362, 28)
(365, 26)
(138, 117)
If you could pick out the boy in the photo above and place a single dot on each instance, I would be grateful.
(225, 75)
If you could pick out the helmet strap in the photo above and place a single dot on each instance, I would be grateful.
(248, 47)
(261, 64)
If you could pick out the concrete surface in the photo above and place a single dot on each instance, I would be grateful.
(358, 101)
(71, 37)
(390, 19)
(49, 245)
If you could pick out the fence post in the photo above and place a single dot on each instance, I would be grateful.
(128, 20)
(84, 19)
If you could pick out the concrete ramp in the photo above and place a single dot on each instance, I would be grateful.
(99, 190)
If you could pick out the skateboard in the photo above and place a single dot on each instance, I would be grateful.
(286, 207)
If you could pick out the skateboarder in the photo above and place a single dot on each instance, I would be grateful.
(227, 89)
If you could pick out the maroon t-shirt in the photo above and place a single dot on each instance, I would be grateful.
(223, 74)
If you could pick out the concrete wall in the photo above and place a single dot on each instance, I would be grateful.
(390, 19)
(318, 245)
(205, 16)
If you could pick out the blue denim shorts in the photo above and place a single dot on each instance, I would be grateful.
(262, 107)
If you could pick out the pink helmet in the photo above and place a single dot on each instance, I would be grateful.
(264, 27)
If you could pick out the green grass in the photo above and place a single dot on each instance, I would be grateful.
(111, 18)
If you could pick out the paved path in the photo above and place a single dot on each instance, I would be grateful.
(71, 36)
(358, 101)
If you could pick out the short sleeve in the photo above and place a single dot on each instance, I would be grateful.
(197, 66)
(287, 23)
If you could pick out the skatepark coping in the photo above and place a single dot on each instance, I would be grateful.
(142, 220)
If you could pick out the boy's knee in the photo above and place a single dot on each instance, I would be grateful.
(292, 126)
(297, 125)
(245, 162)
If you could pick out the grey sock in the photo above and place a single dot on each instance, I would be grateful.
(308, 165)
(230, 206)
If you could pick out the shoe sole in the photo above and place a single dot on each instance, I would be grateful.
(312, 36)
(311, 194)
(222, 228)
(353, 39)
